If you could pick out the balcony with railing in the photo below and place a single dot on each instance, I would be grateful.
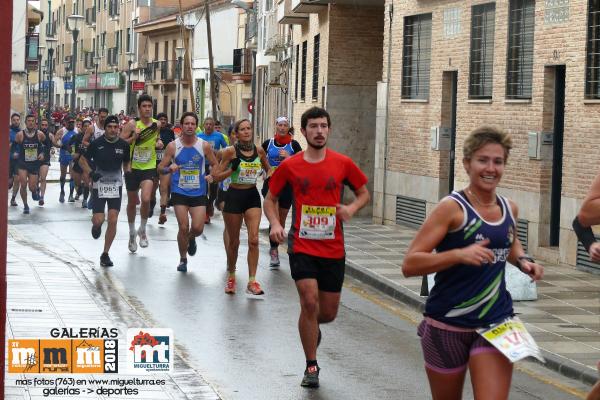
(31, 51)
(285, 14)
(276, 43)
(90, 16)
(242, 65)
(114, 9)
(163, 72)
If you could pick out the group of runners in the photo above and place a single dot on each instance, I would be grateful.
(466, 240)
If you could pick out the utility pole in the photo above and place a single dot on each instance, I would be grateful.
(211, 64)
(5, 70)
(187, 64)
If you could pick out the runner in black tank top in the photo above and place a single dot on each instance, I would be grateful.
(31, 154)
(474, 234)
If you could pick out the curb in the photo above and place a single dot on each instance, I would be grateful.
(554, 362)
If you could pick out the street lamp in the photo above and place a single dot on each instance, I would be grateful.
(40, 49)
(96, 63)
(130, 57)
(180, 52)
(73, 22)
(51, 42)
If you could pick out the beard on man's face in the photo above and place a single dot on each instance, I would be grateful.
(315, 145)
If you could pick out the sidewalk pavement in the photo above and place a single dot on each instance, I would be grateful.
(48, 290)
(564, 321)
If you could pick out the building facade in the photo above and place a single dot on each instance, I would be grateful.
(528, 67)
(337, 66)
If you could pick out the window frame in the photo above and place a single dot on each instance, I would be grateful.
(521, 92)
(315, 72)
(411, 91)
(592, 87)
(486, 9)
(303, 76)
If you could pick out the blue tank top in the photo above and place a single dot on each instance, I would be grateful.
(188, 180)
(469, 296)
(66, 138)
(273, 153)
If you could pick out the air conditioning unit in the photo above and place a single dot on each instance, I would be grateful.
(274, 74)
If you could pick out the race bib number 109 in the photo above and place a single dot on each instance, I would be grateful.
(317, 223)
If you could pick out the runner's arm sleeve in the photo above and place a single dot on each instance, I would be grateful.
(296, 147)
(584, 234)
(355, 178)
(126, 152)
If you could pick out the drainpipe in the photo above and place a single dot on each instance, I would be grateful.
(387, 108)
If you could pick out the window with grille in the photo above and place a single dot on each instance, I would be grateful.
(416, 57)
(482, 51)
(303, 78)
(519, 63)
(315, 77)
(297, 69)
(592, 68)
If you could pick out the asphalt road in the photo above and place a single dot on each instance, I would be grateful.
(248, 347)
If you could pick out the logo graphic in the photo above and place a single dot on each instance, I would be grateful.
(60, 356)
(479, 238)
(150, 350)
(23, 355)
(55, 356)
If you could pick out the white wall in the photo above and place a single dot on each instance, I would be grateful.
(18, 35)
(223, 24)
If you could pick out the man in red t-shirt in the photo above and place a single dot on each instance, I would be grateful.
(316, 241)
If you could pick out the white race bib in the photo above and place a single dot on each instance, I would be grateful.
(31, 154)
(142, 155)
(248, 173)
(159, 154)
(108, 190)
(189, 179)
(317, 223)
(512, 339)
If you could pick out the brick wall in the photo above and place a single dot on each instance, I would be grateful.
(554, 44)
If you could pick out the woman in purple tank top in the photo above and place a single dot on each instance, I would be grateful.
(473, 235)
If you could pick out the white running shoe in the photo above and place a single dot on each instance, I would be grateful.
(132, 244)
(274, 264)
(143, 238)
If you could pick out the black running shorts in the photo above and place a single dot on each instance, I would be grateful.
(329, 272)
(137, 176)
(98, 204)
(32, 168)
(178, 199)
(241, 200)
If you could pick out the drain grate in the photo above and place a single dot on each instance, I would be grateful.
(25, 310)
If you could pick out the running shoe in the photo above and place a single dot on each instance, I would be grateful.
(105, 260)
(71, 199)
(41, 202)
(25, 209)
(274, 264)
(311, 377)
(254, 288)
(35, 195)
(230, 286)
(143, 238)
(84, 204)
(182, 267)
(192, 247)
(132, 244)
(162, 218)
(13, 202)
(96, 231)
(61, 198)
